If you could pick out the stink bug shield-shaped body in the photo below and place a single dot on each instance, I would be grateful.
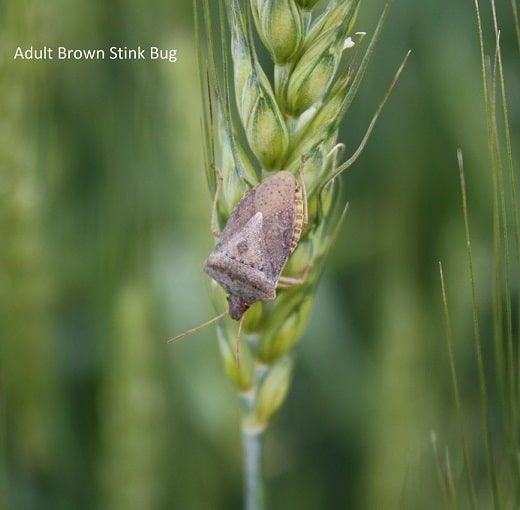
(261, 233)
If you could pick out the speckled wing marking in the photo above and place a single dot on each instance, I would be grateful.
(242, 213)
(248, 246)
(275, 199)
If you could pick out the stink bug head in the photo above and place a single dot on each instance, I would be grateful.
(237, 307)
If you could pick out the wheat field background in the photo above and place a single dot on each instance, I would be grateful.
(104, 225)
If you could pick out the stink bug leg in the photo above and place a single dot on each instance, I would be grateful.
(286, 282)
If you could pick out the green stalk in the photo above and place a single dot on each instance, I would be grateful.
(517, 21)
(514, 380)
(488, 442)
(501, 476)
(456, 393)
(252, 438)
(253, 478)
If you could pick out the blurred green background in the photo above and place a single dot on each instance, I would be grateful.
(104, 225)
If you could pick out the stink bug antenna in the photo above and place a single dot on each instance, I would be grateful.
(196, 329)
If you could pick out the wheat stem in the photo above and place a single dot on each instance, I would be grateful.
(253, 479)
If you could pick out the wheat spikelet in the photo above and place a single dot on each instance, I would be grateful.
(254, 126)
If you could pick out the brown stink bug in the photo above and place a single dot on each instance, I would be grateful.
(252, 250)
(261, 233)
